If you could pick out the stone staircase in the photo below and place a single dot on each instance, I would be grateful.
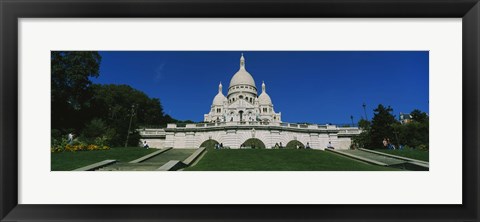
(152, 163)
(130, 167)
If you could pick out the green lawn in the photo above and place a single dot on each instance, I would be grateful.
(279, 160)
(72, 160)
(409, 153)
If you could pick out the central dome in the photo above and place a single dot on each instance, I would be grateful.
(242, 77)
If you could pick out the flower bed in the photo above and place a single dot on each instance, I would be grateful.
(78, 147)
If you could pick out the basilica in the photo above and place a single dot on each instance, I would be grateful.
(242, 116)
(242, 103)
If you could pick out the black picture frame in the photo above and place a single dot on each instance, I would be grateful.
(11, 11)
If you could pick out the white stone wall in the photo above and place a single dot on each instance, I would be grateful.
(233, 138)
(155, 143)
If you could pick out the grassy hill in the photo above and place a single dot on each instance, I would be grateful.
(71, 160)
(409, 153)
(279, 160)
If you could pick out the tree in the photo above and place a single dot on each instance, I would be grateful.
(114, 104)
(363, 139)
(419, 116)
(364, 124)
(70, 86)
(382, 126)
(415, 133)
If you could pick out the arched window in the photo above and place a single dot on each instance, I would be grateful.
(240, 97)
(251, 100)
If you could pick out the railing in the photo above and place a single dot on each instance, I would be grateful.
(159, 132)
(152, 132)
(347, 129)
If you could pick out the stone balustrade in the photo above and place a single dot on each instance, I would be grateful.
(161, 132)
(245, 123)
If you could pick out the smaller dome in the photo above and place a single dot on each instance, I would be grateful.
(219, 99)
(264, 99)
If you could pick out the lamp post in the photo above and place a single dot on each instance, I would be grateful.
(351, 117)
(130, 124)
(365, 110)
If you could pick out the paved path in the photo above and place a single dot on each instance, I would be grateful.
(173, 154)
(153, 163)
(383, 159)
(376, 157)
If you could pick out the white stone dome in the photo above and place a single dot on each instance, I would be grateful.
(264, 99)
(219, 98)
(242, 77)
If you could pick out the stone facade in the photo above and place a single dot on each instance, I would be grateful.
(234, 135)
(242, 103)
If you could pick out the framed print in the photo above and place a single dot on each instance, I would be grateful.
(225, 110)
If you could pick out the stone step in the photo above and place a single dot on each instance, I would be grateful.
(130, 166)
(154, 162)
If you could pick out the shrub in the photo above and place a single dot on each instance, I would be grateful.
(58, 145)
(95, 128)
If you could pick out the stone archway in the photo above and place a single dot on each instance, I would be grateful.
(293, 144)
(209, 144)
(253, 143)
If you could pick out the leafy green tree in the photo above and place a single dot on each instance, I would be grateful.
(117, 104)
(419, 116)
(97, 130)
(382, 126)
(415, 133)
(94, 128)
(364, 124)
(363, 139)
(70, 86)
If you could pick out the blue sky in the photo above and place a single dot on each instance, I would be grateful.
(306, 86)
